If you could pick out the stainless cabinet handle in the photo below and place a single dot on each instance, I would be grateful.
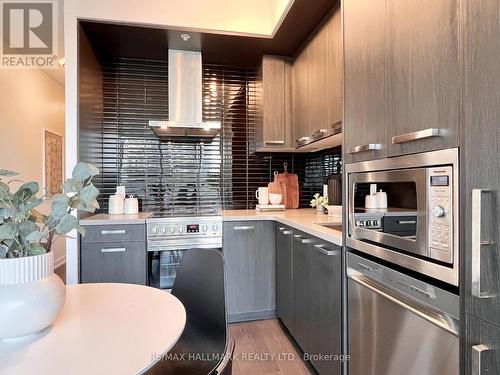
(281, 229)
(114, 250)
(287, 232)
(299, 238)
(402, 222)
(477, 354)
(243, 228)
(363, 148)
(365, 267)
(279, 143)
(421, 134)
(477, 243)
(115, 231)
(322, 248)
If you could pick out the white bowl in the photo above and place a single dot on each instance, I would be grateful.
(275, 198)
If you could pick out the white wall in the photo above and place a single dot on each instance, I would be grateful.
(255, 17)
(30, 101)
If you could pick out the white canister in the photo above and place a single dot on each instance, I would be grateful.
(381, 199)
(262, 194)
(371, 201)
(115, 205)
(131, 205)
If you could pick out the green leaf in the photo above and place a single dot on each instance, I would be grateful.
(32, 204)
(3, 251)
(67, 223)
(36, 249)
(60, 198)
(83, 171)
(8, 231)
(72, 185)
(5, 172)
(88, 194)
(26, 227)
(32, 186)
(22, 195)
(59, 209)
(35, 237)
(4, 190)
(6, 212)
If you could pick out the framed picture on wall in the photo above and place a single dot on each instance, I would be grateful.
(53, 162)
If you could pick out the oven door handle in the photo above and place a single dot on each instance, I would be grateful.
(446, 322)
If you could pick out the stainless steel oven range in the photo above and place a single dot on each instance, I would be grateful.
(169, 237)
(419, 228)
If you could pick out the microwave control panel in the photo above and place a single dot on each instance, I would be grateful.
(440, 209)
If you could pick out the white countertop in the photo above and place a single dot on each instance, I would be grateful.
(303, 219)
(106, 219)
(102, 329)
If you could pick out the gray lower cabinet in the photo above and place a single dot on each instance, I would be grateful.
(114, 254)
(302, 292)
(284, 276)
(482, 350)
(317, 294)
(250, 258)
(326, 310)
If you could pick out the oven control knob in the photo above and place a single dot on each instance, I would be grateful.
(181, 229)
(214, 228)
(172, 230)
(204, 228)
(438, 211)
(154, 230)
(164, 230)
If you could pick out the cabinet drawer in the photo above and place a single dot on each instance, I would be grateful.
(113, 262)
(114, 233)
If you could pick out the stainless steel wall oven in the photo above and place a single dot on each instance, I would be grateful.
(419, 229)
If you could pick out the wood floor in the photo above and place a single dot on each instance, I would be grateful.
(263, 348)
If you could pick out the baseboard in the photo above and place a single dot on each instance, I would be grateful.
(256, 315)
(60, 262)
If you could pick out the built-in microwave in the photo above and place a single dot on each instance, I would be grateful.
(418, 227)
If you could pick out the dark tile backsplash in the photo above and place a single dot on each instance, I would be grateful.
(187, 176)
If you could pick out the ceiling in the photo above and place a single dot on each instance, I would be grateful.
(111, 40)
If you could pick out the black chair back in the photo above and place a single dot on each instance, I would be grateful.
(199, 285)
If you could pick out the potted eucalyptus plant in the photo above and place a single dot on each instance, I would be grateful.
(31, 295)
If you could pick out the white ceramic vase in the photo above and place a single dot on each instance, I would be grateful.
(320, 209)
(31, 295)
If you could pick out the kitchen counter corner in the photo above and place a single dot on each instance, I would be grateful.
(304, 219)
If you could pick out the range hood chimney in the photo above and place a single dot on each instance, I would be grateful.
(184, 99)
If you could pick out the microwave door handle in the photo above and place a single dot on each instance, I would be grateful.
(477, 243)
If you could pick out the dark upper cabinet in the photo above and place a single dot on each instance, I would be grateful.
(364, 125)
(422, 74)
(274, 126)
(479, 159)
(402, 77)
(317, 79)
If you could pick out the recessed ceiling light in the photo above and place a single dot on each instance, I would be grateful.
(185, 37)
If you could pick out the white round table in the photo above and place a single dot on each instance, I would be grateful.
(102, 329)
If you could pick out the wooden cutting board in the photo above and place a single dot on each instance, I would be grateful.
(291, 187)
(277, 187)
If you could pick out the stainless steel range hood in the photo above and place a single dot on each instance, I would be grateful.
(184, 99)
